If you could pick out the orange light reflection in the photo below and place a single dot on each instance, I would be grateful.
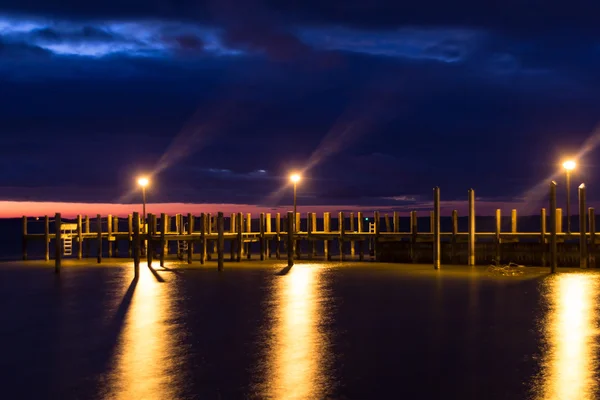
(570, 328)
(299, 353)
(146, 358)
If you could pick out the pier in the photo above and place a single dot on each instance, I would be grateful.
(347, 236)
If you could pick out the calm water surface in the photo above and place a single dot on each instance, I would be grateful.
(352, 331)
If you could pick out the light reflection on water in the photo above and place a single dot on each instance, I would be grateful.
(145, 354)
(297, 354)
(570, 328)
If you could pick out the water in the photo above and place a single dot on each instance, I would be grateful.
(352, 331)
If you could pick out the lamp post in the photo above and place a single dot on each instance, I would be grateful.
(569, 165)
(295, 178)
(143, 182)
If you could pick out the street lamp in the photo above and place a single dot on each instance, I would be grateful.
(295, 178)
(143, 182)
(569, 165)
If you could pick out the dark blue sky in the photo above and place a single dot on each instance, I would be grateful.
(380, 101)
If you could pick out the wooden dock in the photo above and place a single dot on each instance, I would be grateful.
(350, 236)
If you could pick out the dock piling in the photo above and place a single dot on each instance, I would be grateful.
(454, 245)
(414, 231)
(58, 243)
(47, 237)
(240, 237)
(376, 252)
(513, 221)
(135, 231)
(327, 229)
(471, 228)
(361, 243)
(342, 232)
(99, 237)
(24, 229)
(553, 227)
(163, 238)
(203, 231)
(278, 236)
(261, 222)
(109, 222)
(190, 245)
(151, 248)
(87, 230)
(352, 242)
(220, 241)
(437, 250)
(592, 245)
(79, 238)
(543, 239)
(290, 238)
(498, 238)
(583, 259)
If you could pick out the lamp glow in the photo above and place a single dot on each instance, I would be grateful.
(295, 178)
(143, 182)
(569, 165)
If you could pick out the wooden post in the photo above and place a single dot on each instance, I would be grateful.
(163, 237)
(87, 230)
(361, 243)
(413, 236)
(191, 223)
(24, 229)
(57, 243)
(376, 239)
(437, 246)
(559, 218)
(513, 221)
(543, 240)
(240, 236)
(388, 226)
(165, 244)
(261, 222)
(309, 230)
(297, 226)
(315, 229)
(583, 259)
(327, 229)
(203, 244)
(149, 234)
(109, 235)
(592, 245)
(498, 232)
(454, 235)
(249, 230)
(352, 242)
(79, 238)
(471, 227)
(396, 222)
(130, 234)
(220, 241)
(178, 226)
(116, 232)
(553, 227)
(209, 231)
(341, 238)
(215, 229)
(47, 237)
(290, 238)
(232, 229)
(268, 230)
(99, 237)
(135, 231)
(278, 236)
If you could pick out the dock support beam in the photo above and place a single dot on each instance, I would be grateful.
(203, 244)
(437, 250)
(592, 248)
(79, 238)
(290, 238)
(47, 237)
(583, 259)
(163, 238)
(471, 227)
(58, 243)
(99, 237)
(24, 225)
(553, 228)
(543, 239)
(190, 231)
(135, 246)
(342, 232)
(220, 241)
(150, 248)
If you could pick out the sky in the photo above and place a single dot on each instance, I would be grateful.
(374, 102)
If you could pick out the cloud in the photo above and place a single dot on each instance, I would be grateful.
(442, 45)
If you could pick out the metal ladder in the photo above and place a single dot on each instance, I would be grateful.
(67, 242)
(182, 248)
(371, 227)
